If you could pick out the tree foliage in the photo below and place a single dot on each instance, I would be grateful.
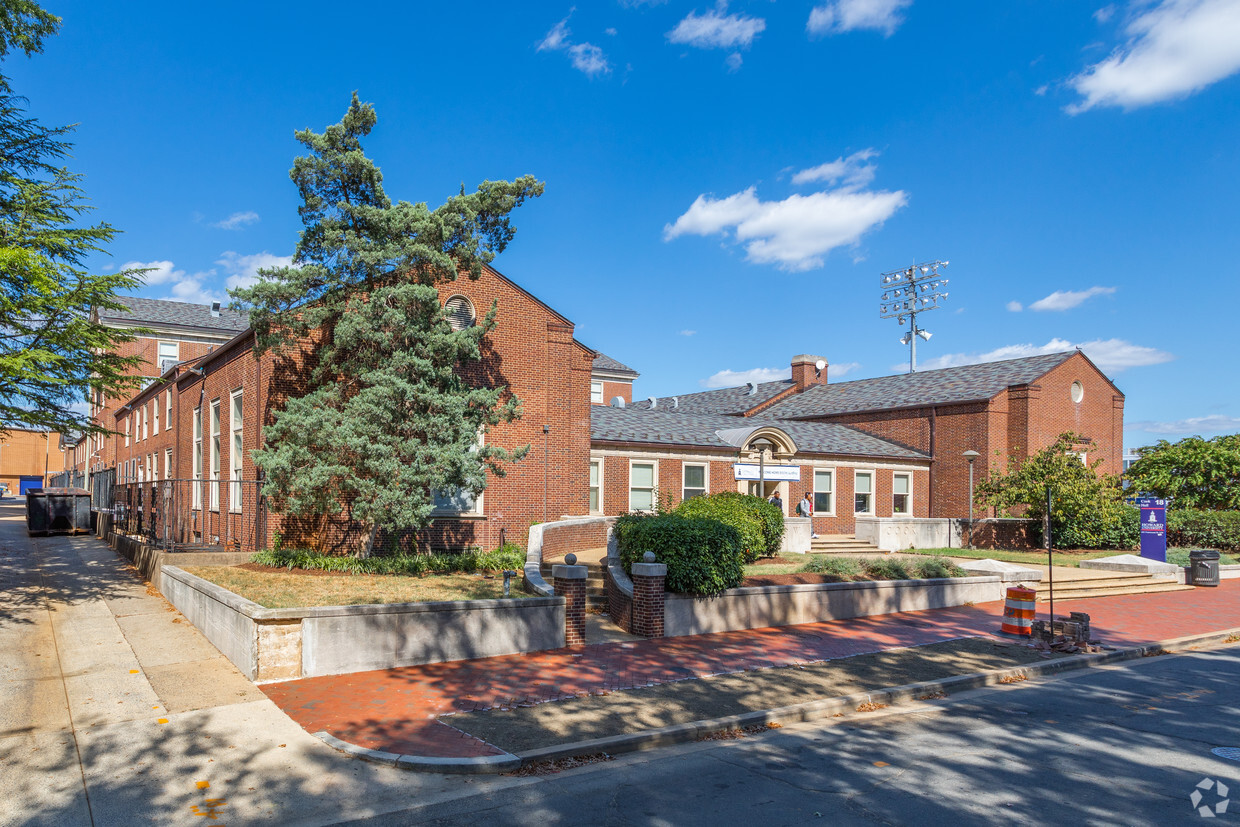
(386, 418)
(1193, 473)
(53, 352)
(1087, 508)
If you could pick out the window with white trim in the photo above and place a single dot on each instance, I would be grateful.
(694, 481)
(197, 486)
(168, 464)
(235, 452)
(152, 462)
(863, 492)
(168, 412)
(596, 392)
(459, 500)
(168, 355)
(127, 431)
(145, 423)
(155, 415)
(824, 491)
(596, 486)
(902, 493)
(215, 455)
(642, 476)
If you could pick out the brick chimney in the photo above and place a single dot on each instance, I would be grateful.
(805, 371)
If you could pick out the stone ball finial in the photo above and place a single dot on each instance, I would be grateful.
(570, 559)
(648, 557)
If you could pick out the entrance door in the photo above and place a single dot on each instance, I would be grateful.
(769, 488)
(24, 484)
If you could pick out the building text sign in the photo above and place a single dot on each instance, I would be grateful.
(1153, 528)
(774, 473)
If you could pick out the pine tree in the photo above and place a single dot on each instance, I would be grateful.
(386, 419)
(54, 354)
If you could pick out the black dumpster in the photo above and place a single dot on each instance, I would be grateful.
(1203, 567)
(58, 511)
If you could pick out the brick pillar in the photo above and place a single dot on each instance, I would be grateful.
(648, 580)
(570, 583)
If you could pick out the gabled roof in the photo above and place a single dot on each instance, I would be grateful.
(145, 312)
(967, 383)
(619, 425)
(603, 362)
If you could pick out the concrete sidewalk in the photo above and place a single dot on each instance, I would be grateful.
(115, 711)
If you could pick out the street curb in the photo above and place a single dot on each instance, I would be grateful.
(795, 713)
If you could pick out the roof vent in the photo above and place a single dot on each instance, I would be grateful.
(617, 401)
(215, 308)
(752, 389)
(675, 402)
(654, 403)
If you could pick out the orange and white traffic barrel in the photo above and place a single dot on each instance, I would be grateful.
(1018, 611)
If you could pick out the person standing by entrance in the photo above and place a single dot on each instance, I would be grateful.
(805, 508)
(776, 501)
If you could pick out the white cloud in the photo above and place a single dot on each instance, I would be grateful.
(1105, 13)
(585, 57)
(688, 333)
(717, 30)
(237, 220)
(1110, 355)
(242, 271)
(1175, 48)
(794, 233)
(734, 61)
(853, 171)
(735, 378)
(1213, 424)
(1015, 307)
(1068, 299)
(842, 369)
(848, 15)
(159, 272)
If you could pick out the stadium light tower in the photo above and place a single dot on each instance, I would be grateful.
(908, 292)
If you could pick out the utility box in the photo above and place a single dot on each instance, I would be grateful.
(57, 511)
(1203, 567)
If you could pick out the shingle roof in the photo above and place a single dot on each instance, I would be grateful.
(143, 311)
(733, 401)
(931, 387)
(609, 424)
(604, 362)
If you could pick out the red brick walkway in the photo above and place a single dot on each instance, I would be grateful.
(395, 710)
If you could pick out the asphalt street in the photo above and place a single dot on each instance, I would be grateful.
(1125, 744)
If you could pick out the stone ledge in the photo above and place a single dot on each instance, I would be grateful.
(1130, 563)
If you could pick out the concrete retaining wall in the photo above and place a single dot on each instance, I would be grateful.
(798, 535)
(899, 533)
(149, 560)
(279, 644)
(758, 607)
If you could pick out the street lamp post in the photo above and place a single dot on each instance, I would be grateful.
(761, 446)
(970, 456)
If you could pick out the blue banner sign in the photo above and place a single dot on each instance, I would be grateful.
(1153, 528)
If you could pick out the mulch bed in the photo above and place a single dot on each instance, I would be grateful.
(321, 573)
(797, 577)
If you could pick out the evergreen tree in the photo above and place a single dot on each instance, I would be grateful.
(386, 419)
(54, 355)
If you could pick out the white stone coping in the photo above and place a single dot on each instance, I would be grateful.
(254, 611)
(534, 581)
(650, 569)
(1129, 563)
(560, 572)
(854, 585)
(1008, 572)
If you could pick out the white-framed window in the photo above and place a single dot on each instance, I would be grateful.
(596, 486)
(695, 477)
(155, 415)
(146, 421)
(127, 431)
(215, 455)
(458, 501)
(168, 411)
(824, 491)
(642, 477)
(901, 493)
(168, 464)
(235, 451)
(152, 465)
(168, 355)
(596, 392)
(863, 492)
(197, 485)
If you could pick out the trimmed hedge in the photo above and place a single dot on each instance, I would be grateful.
(1191, 528)
(509, 556)
(761, 524)
(703, 557)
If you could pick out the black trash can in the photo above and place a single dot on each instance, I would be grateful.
(1203, 567)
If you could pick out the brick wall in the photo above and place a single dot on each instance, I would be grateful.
(559, 540)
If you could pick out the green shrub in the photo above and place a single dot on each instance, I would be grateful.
(839, 566)
(883, 569)
(1191, 528)
(760, 524)
(938, 567)
(509, 556)
(703, 556)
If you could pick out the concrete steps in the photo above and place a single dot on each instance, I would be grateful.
(596, 587)
(840, 544)
(1109, 586)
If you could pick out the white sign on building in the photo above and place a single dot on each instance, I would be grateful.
(774, 473)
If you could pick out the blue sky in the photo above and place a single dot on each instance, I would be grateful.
(724, 182)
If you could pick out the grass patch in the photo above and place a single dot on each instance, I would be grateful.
(509, 556)
(1179, 557)
(286, 590)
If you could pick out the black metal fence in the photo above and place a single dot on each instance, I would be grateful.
(67, 479)
(102, 484)
(193, 515)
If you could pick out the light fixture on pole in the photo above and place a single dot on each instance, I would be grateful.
(762, 445)
(908, 292)
(970, 456)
